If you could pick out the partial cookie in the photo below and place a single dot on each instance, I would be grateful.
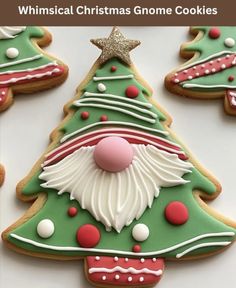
(211, 71)
(24, 66)
(115, 187)
(2, 174)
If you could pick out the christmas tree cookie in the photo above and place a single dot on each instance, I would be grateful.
(115, 188)
(211, 71)
(24, 66)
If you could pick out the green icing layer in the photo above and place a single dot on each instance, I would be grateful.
(206, 47)
(162, 233)
(23, 42)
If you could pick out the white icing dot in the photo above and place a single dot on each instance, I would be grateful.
(194, 68)
(203, 65)
(154, 259)
(3, 92)
(207, 71)
(176, 74)
(12, 52)
(97, 258)
(176, 80)
(197, 74)
(126, 259)
(140, 232)
(101, 87)
(117, 277)
(141, 279)
(213, 70)
(211, 62)
(130, 279)
(223, 66)
(185, 71)
(229, 42)
(142, 260)
(116, 259)
(104, 278)
(219, 59)
(45, 228)
(190, 77)
(227, 56)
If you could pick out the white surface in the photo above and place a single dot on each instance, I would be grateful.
(202, 125)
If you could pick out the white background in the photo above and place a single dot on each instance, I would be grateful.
(202, 125)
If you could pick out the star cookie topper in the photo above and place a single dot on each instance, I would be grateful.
(116, 45)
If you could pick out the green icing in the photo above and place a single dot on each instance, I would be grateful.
(23, 42)
(206, 47)
(162, 233)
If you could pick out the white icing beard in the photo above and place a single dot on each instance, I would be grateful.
(116, 199)
(9, 32)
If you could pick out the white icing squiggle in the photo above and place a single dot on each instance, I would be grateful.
(29, 76)
(9, 32)
(208, 244)
(130, 76)
(112, 123)
(148, 105)
(206, 59)
(21, 61)
(135, 115)
(130, 270)
(188, 85)
(116, 103)
(30, 69)
(119, 252)
(129, 192)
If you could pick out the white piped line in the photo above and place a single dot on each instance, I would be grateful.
(118, 252)
(21, 61)
(130, 76)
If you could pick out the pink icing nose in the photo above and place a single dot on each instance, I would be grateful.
(113, 154)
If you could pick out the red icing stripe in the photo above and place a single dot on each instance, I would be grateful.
(206, 68)
(74, 145)
(139, 272)
(15, 78)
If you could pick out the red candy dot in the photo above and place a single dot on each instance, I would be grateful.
(72, 211)
(103, 118)
(136, 248)
(214, 33)
(88, 236)
(176, 213)
(113, 68)
(231, 78)
(132, 91)
(84, 115)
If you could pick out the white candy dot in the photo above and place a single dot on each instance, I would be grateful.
(97, 258)
(101, 87)
(141, 279)
(104, 278)
(116, 259)
(154, 259)
(207, 71)
(223, 66)
(12, 52)
(176, 80)
(142, 260)
(117, 277)
(229, 42)
(190, 77)
(45, 228)
(140, 232)
(126, 259)
(130, 279)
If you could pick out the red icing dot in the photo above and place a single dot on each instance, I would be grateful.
(113, 68)
(103, 118)
(72, 211)
(132, 91)
(231, 78)
(136, 248)
(214, 33)
(176, 213)
(84, 115)
(88, 236)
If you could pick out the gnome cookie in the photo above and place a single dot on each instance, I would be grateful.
(211, 71)
(24, 66)
(115, 187)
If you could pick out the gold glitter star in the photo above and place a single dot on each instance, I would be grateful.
(116, 45)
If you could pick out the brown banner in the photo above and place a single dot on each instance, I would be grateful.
(114, 12)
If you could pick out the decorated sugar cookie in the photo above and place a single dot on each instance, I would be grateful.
(24, 67)
(211, 71)
(115, 187)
